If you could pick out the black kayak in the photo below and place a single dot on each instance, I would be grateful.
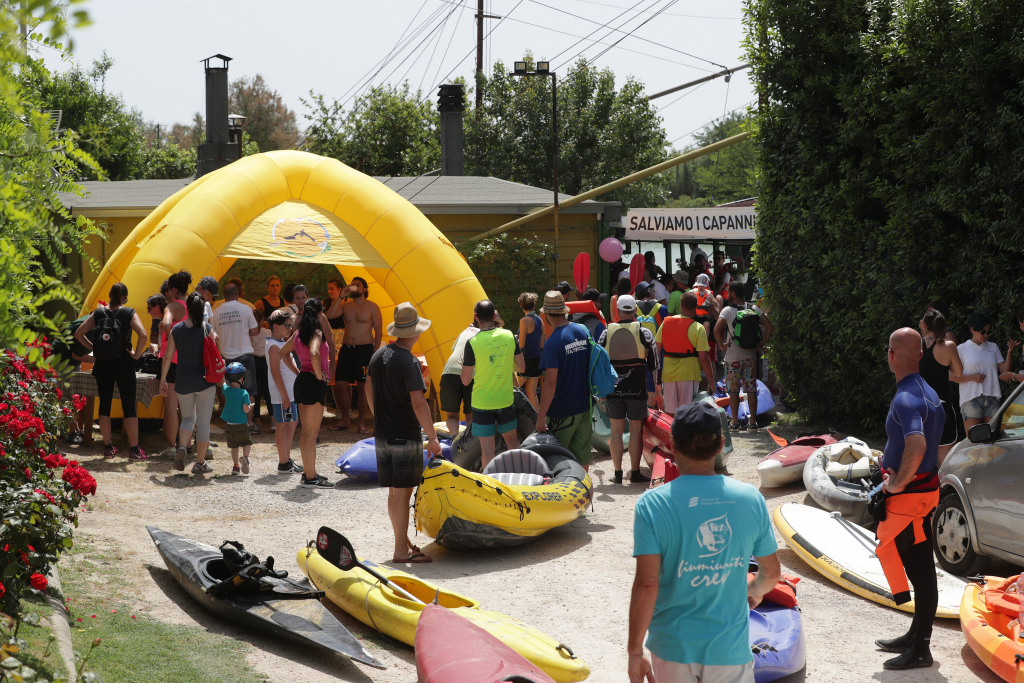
(284, 607)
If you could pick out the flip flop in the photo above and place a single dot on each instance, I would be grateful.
(418, 558)
(362, 431)
(340, 428)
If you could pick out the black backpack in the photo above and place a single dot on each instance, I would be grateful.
(110, 338)
(747, 329)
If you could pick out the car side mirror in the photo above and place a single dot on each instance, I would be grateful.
(980, 433)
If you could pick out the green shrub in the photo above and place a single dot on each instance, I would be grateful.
(890, 174)
(508, 266)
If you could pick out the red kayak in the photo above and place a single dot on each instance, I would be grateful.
(786, 465)
(664, 470)
(658, 439)
(452, 649)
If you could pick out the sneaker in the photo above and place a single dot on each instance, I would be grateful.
(638, 477)
(75, 438)
(109, 451)
(235, 469)
(179, 459)
(202, 468)
(290, 467)
(753, 426)
(136, 454)
(273, 427)
(617, 477)
(255, 428)
(244, 462)
(910, 659)
(738, 427)
(319, 481)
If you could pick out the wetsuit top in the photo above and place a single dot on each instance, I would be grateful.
(532, 347)
(915, 409)
(336, 323)
(934, 373)
(163, 339)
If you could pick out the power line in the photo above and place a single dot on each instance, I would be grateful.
(705, 125)
(587, 37)
(668, 14)
(648, 20)
(449, 47)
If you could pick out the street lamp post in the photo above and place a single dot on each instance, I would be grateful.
(544, 69)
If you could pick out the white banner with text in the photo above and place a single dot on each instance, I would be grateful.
(713, 223)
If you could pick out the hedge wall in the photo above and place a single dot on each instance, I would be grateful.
(891, 173)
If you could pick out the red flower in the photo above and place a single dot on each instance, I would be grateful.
(2, 590)
(28, 473)
(48, 497)
(38, 582)
(79, 479)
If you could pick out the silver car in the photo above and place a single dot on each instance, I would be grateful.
(981, 509)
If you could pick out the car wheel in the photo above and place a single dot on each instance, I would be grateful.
(951, 536)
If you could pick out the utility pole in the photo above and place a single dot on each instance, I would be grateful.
(480, 16)
(158, 136)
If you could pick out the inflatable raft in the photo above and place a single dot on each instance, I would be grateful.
(765, 400)
(990, 618)
(380, 607)
(786, 464)
(360, 460)
(521, 494)
(836, 477)
(602, 430)
(466, 446)
(452, 649)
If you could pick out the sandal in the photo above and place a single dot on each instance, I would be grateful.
(362, 431)
(340, 428)
(418, 558)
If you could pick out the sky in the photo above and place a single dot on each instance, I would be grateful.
(335, 48)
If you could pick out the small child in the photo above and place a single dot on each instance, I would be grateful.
(236, 405)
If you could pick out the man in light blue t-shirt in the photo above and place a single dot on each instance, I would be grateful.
(692, 539)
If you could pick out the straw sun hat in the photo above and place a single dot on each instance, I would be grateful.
(408, 322)
(554, 303)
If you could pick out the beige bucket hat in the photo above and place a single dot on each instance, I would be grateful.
(408, 322)
(554, 303)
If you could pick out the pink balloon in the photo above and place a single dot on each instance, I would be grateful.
(610, 249)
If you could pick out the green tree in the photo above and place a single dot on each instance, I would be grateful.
(603, 133)
(106, 128)
(890, 175)
(389, 131)
(168, 161)
(269, 121)
(36, 163)
(726, 176)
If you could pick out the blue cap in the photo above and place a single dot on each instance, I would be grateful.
(692, 417)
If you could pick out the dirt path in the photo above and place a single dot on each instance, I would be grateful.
(573, 583)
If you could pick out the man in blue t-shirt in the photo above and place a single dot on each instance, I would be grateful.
(692, 539)
(565, 398)
(909, 472)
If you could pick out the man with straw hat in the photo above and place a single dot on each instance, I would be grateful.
(565, 400)
(394, 392)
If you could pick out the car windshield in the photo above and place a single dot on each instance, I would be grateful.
(1013, 418)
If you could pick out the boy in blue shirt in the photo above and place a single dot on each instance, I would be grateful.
(692, 539)
(236, 407)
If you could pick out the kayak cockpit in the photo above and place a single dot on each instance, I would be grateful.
(424, 592)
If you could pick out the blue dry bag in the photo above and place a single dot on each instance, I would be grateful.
(602, 375)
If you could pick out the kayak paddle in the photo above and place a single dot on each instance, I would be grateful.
(636, 270)
(581, 271)
(337, 550)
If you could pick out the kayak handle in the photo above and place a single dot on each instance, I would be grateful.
(1019, 657)
(563, 646)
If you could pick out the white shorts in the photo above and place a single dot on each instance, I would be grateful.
(673, 672)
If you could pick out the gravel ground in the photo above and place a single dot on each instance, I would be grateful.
(573, 583)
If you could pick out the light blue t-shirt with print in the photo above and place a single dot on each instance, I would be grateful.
(705, 528)
(234, 399)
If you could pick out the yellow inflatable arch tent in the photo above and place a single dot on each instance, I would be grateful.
(296, 206)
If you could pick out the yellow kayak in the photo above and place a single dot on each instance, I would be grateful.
(379, 607)
(520, 495)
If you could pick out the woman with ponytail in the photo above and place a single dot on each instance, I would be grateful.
(310, 389)
(195, 394)
(940, 364)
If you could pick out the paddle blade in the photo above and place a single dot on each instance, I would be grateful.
(335, 548)
(636, 270)
(778, 439)
(581, 271)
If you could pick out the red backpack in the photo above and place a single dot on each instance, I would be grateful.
(212, 360)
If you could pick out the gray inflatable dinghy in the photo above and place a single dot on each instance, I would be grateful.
(846, 493)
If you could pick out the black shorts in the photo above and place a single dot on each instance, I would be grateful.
(308, 390)
(949, 429)
(399, 462)
(172, 373)
(455, 395)
(353, 362)
(626, 408)
(532, 367)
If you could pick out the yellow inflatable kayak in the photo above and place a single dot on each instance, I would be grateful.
(521, 494)
(379, 607)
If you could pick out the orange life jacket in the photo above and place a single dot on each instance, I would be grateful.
(702, 309)
(902, 510)
(585, 307)
(675, 337)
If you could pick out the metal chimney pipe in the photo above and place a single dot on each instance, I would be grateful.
(451, 103)
(218, 151)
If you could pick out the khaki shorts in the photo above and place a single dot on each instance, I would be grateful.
(674, 672)
(237, 435)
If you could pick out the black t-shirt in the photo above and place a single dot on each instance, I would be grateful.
(632, 371)
(394, 374)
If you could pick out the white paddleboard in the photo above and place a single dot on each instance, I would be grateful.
(844, 553)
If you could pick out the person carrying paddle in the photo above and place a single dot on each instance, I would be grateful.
(692, 539)
(490, 356)
(911, 492)
(394, 392)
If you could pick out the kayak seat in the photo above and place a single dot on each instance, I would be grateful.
(518, 467)
(518, 478)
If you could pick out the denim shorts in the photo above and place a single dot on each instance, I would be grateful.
(980, 407)
(279, 413)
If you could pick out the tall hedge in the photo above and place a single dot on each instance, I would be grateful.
(891, 173)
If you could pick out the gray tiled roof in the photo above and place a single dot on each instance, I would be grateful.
(434, 194)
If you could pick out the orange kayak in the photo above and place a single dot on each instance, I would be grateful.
(989, 617)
